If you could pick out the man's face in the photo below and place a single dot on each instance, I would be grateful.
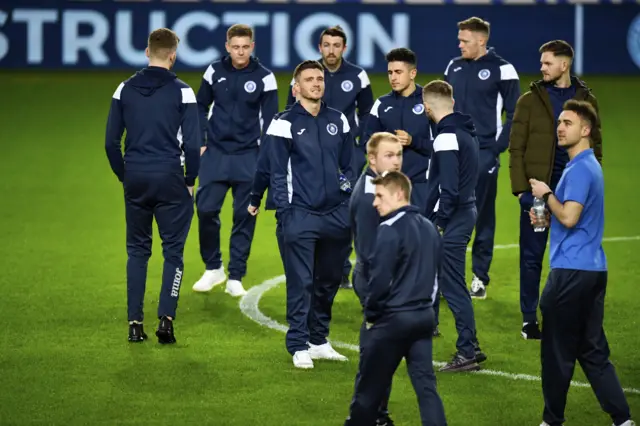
(388, 158)
(571, 129)
(401, 74)
(310, 84)
(385, 201)
(240, 50)
(470, 43)
(552, 67)
(332, 48)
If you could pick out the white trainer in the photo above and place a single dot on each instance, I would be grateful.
(210, 279)
(302, 359)
(235, 289)
(325, 351)
(627, 423)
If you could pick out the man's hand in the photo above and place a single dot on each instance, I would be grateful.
(404, 137)
(253, 210)
(544, 222)
(202, 150)
(538, 188)
(190, 188)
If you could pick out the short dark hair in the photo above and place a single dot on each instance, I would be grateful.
(162, 42)
(394, 181)
(239, 30)
(309, 64)
(585, 111)
(438, 88)
(335, 31)
(558, 48)
(402, 54)
(476, 25)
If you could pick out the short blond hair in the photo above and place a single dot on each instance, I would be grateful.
(374, 141)
(239, 30)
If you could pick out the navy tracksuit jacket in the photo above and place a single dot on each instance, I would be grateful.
(453, 177)
(235, 105)
(160, 115)
(484, 89)
(393, 112)
(308, 155)
(398, 303)
(348, 89)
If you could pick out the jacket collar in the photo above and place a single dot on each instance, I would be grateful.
(406, 209)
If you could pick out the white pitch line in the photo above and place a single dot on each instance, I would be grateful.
(249, 305)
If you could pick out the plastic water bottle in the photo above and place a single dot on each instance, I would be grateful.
(345, 185)
(539, 209)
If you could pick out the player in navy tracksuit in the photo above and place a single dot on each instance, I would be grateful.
(401, 112)
(160, 115)
(398, 306)
(245, 98)
(311, 178)
(485, 86)
(384, 152)
(451, 206)
(347, 88)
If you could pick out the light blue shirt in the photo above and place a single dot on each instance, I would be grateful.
(580, 247)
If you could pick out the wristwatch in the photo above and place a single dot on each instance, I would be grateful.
(545, 197)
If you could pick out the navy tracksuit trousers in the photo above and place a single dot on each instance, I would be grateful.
(360, 282)
(486, 192)
(165, 197)
(315, 247)
(395, 336)
(451, 279)
(209, 201)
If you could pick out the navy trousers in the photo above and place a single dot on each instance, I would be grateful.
(165, 197)
(209, 201)
(314, 251)
(419, 193)
(280, 240)
(451, 279)
(395, 336)
(486, 192)
(572, 307)
(360, 282)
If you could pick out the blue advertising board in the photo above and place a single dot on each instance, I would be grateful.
(112, 35)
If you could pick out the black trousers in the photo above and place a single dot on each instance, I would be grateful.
(572, 306)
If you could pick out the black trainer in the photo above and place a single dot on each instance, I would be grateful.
(345, 283)
(531, 331)
(460, 363)
(436, 332)
(165, 331)
(136, 333)
(385, 421)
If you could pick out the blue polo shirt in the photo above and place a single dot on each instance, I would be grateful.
(580, 247)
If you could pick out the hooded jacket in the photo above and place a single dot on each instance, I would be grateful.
(160, 115)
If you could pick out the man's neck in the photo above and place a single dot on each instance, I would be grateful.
(312, 107)
(409, 90)
(576, 149)
(483, 51)
(332, 68)
(438, 115)
(373, 169)
(398, 207)
(564, 81)
(160, 64)
(239, 67)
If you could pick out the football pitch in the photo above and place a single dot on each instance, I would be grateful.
(64, 355)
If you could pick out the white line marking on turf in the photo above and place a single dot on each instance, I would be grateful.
(249, 305)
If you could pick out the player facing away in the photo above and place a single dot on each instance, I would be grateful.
(160, 115)
(384, 152)
(453, 176)
(398, 310)
(347, 89)
(485, 86)
(401, 112)
(311, 178)
(237, 99)
(572, 302)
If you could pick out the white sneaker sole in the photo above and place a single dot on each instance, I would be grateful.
(206, 290)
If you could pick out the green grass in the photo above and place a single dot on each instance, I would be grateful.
(64, 358)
